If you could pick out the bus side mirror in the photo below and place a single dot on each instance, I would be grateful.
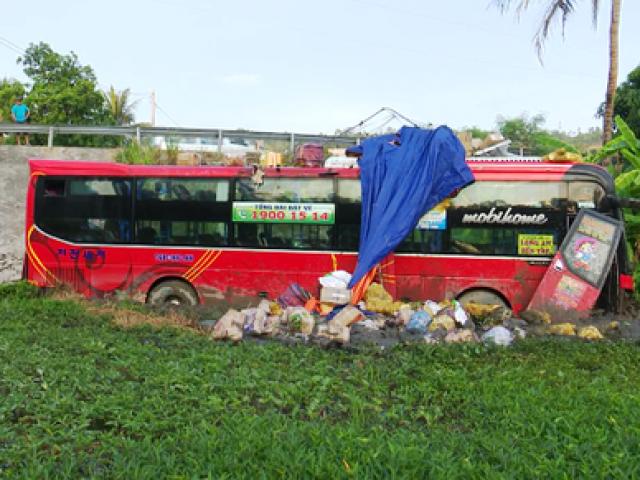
(608, 203)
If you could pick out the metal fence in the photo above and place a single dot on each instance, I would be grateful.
(163, 132)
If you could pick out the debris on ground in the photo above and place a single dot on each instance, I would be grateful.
(567, 329)
(590, 333)
(498, 336)
(463, 335)
(418, 322)
(230, 326)
(331, 320)
(442, 321)
(377, 299)
(536, 316)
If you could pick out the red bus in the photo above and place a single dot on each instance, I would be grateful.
(191, 235)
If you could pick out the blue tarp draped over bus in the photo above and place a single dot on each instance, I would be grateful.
(403, 176)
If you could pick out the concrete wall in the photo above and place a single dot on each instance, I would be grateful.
(14, 173)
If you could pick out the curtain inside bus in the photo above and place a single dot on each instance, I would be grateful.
(403, 176)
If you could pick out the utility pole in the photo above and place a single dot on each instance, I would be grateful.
(153, 108)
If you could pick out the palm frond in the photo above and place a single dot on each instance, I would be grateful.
(556, 10)
(595, 8)
(119, 105)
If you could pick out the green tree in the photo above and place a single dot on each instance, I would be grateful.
(562, 10)
(63, 91)
(119, 105)
(627, 103)
(627, 180)
(10, 89)
(521, 131)
(528, 136)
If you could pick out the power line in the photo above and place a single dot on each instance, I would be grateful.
(5, 42)
(166, 114)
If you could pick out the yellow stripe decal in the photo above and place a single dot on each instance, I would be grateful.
(203, 258)
(36, 262)
(201, 270)
(334, 261)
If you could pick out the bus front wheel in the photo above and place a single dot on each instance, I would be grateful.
(172, 293)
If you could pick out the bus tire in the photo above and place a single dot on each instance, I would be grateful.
(483, 296)
(172, 293)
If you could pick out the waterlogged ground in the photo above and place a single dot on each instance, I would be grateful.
(92, 392)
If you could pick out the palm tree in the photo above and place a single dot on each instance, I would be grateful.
(119, 105)
(563, 9)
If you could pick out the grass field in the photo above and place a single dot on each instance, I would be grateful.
(82, 397)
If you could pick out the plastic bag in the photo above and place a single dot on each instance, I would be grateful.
(377, 299)
(271, 324)
(433, 308)
(459, 315)
(568, 329)
(229, 326)
(404, 314)
(498, 336)
(298, 319)
(463, 335)
(590, 333)
(442, 320)
(336, 279)
(249, 319)
(294, 296)
(419, 322)
(337, 333)
(347, 316)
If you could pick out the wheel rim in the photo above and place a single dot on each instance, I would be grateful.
(173, 301)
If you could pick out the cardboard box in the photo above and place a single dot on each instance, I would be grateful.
(337, 296)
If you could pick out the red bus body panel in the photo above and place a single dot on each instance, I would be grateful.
(237, 275)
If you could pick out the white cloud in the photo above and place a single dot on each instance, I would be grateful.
(242, 79)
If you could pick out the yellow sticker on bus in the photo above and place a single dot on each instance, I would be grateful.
(536, 245)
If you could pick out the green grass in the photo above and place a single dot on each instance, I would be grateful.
(80, 397)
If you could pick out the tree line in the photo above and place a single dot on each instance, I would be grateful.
(62, 91)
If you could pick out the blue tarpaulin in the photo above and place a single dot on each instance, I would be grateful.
(403, 176)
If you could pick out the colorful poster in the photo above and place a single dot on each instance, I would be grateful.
(303, 213)
(536, 245)
(568, 293)
(433, 220)
(597, 228)
(587, 256)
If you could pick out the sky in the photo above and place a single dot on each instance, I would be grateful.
(317, 67)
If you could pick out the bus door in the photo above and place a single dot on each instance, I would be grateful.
(591, 195)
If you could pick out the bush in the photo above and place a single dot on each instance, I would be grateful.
(18, 290)
(135, 153)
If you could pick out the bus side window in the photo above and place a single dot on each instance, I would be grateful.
(53, 187)
(349, 190)
(183, 211)
(85, 209)
(265, 235)
(348, 237)
(286, 190)
(585, 194)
